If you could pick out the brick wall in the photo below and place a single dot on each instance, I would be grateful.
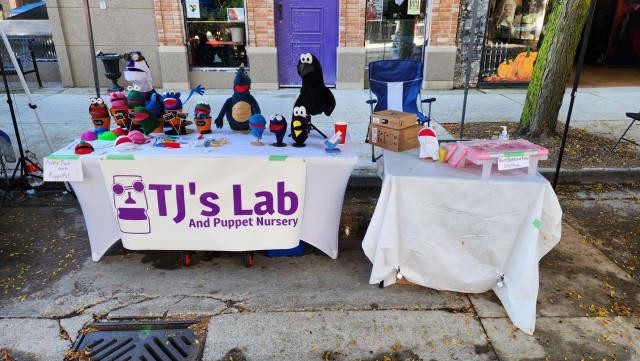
(170, 22)
(259, 17)
(444, 22)
(352, 15)
(261, 28)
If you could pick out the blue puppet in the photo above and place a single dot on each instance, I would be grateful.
(171, 101)
(154, 105)
(241, 106)
(278, 126)
(257, 124)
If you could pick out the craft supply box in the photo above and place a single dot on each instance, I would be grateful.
(393, 119)
(397, 140)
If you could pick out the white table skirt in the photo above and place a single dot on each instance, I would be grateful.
(326, 179)
(450, 229)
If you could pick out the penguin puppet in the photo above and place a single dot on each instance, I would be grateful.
(299, 126)
(241, 106)
(314, 95)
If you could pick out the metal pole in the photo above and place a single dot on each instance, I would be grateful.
(469, 55)
(583, 48)
(92, 48)
(16, 66)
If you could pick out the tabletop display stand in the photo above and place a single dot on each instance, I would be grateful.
(194, 172)
(488, 152)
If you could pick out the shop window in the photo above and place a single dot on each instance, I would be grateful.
(215, 33)
(514, 28)
(395, 29)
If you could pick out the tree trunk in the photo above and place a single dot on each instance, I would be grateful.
(552, 68)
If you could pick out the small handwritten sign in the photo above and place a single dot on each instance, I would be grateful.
(505, 163)
(169, 116)
(63, 169)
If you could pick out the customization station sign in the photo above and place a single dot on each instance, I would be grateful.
(206, 203)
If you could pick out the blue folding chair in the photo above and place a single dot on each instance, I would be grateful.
(396, 85)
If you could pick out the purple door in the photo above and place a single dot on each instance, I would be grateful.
(306, 26)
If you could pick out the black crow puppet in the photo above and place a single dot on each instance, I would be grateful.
(314, 95)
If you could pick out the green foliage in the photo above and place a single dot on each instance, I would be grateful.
(220, 13)
(552, 68)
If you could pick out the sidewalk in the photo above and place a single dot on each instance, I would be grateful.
(64, 112)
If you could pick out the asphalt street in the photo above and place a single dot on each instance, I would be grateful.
(310, 307)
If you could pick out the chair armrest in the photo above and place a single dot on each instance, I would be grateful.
(430, 100)
(372, 101)
(635, 116)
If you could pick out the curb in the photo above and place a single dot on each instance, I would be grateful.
(362, 178)
(369, 178)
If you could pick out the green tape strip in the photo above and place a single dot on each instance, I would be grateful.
(120, 157)
(62, 156)
(513, 154)
(536, 223)
(278, 158)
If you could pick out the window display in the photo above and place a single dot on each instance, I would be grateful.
(216, 33)
(515, 30)
(395, 29)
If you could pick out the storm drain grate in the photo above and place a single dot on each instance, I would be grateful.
(149, 341)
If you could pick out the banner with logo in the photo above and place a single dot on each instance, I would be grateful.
(205, 203)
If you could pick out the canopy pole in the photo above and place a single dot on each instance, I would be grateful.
(92, 48)
(576, 80)
(469, 55)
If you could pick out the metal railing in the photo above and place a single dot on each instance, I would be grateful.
(44, 48)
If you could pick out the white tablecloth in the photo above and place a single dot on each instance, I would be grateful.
(450, 229)
(326, 179)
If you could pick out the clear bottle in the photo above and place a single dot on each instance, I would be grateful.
(32, 170)
(504, 135)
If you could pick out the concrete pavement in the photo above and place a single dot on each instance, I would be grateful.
(300, 308)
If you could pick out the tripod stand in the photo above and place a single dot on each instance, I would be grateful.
(313, 127)
(22, 160)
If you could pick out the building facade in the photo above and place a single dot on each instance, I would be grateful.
(191, 42)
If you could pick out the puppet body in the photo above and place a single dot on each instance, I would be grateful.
(138, 72)
(135, 99)
(154, 105)
(314, 95)
(428, 143)
(241, 106)
(202, 110)
(278, 126)
(257, 124)
(150, 124)
(99, 113)
(171, 101)
(118, 100)
(299, 126)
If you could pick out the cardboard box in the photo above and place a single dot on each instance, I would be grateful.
(397, 140)
(393, 119)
